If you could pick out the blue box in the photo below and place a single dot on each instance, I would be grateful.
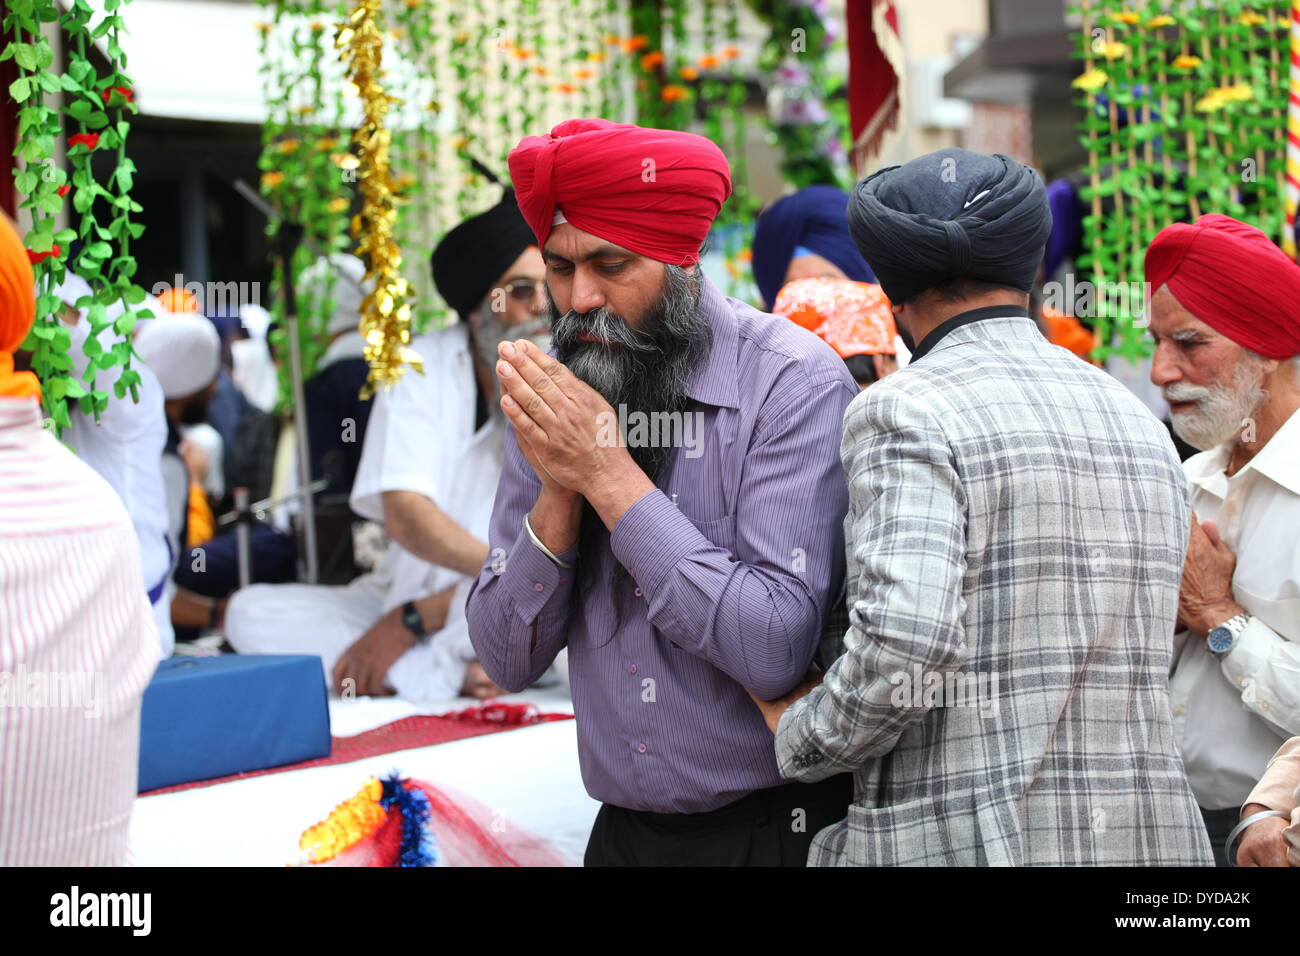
(206, 717)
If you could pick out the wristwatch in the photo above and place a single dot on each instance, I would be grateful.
(1221, 638)
(414, 622)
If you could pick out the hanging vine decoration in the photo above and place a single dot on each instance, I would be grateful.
(385, 313)
(98, 108)
(306, 168)
(1184, 114)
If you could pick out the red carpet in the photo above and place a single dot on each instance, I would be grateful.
(405, 734)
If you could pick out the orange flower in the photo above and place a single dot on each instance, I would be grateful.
(272, 179)
(730, 53)
(595, 56)
(583, 74)
(611, 40)
(521, 53)
(634, 43)
(1186, 62)
(1127, 16)
(708, 62)
(564, 88)
(673, 93)
(540, 70)
(745, 255)
(689, 73)
(337, 204)
(651, 60)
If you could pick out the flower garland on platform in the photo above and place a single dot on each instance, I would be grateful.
(386, 823)
(385, 313)
(1184, 113)
(97, 107)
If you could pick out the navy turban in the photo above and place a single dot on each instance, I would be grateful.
(477, 253)
(951, 214)
(814, 218)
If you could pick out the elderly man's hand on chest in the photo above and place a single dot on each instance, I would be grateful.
(1205, 600)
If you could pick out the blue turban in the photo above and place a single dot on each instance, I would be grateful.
(815, 219)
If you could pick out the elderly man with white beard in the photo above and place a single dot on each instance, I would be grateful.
(1225, 316)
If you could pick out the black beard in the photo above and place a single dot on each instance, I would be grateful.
(644, 369)
(194, 412)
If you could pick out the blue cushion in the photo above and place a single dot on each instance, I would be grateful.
(206, 717)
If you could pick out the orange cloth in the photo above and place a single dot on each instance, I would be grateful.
(1067, 332)
(853, 318)
(201, 527)
(17, 312)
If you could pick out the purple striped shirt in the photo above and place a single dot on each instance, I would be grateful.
(729, 585)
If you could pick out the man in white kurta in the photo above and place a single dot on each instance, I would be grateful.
(429, 471)
(125, 447)
(1230, 371)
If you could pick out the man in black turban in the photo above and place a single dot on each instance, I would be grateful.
(948, 234)
(1018, 518)
(428, 470)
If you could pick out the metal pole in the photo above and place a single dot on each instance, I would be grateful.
(243, 538)
(304, 451)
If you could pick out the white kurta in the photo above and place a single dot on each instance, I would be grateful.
(125, 447)
(421, 437)
(77, 647)
(1232, 714)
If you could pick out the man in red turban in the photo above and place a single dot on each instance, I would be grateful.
(1225, 316)
(670, 509)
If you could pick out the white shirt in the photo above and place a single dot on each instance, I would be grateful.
(125, 447)
(421, 438)
(1232, 714)
(77, 647)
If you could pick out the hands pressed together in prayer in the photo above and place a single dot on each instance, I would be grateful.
(1205, 599)
(557, 419)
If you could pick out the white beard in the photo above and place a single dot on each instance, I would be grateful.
(1221, 410)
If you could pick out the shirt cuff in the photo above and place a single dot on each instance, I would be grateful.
(797, 756)
(652, 537)
(534, 578)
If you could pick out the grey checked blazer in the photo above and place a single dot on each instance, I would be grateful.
(1015, 537)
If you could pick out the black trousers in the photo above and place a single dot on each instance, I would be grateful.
(772, 827)
(1218, 824)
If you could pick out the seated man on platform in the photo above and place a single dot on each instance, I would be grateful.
(671, 505)
(431, 460)
(77, 639)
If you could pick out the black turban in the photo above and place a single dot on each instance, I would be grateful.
(947, 215)
(477, 253)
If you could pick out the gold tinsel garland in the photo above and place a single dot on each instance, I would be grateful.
(385, 313)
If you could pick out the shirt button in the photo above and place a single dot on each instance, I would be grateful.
(640, 748)
(638, 592)
(632, 669)
(537, 586)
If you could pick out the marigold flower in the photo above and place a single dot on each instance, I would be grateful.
(1114, 50)
(672, 93)
(1163, 20)
(708, 62)
(652, 59)
(689, 73)
(1091, 81)
(1186, 61)
(272, 179)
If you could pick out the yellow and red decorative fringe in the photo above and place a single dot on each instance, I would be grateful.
(385, 824)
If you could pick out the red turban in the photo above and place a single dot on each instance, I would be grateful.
(17, 312)
(1234, 279)
(653, 191)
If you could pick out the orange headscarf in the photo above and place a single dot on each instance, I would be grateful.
(17, 312)
(854, 318)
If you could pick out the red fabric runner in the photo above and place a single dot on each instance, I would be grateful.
(405, 734)
(875, 78)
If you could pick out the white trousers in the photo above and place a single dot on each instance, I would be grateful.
(326, 621)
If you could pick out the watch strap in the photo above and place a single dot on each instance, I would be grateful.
(413, 620)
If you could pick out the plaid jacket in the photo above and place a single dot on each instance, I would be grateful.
(1015, 538)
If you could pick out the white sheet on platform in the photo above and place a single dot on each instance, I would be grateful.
(529, 776)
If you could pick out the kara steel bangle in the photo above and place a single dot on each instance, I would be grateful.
(1240, 828)
(541, 547)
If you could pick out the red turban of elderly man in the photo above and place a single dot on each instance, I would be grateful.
(653, 191)
(1234, 279)
(17, 311)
